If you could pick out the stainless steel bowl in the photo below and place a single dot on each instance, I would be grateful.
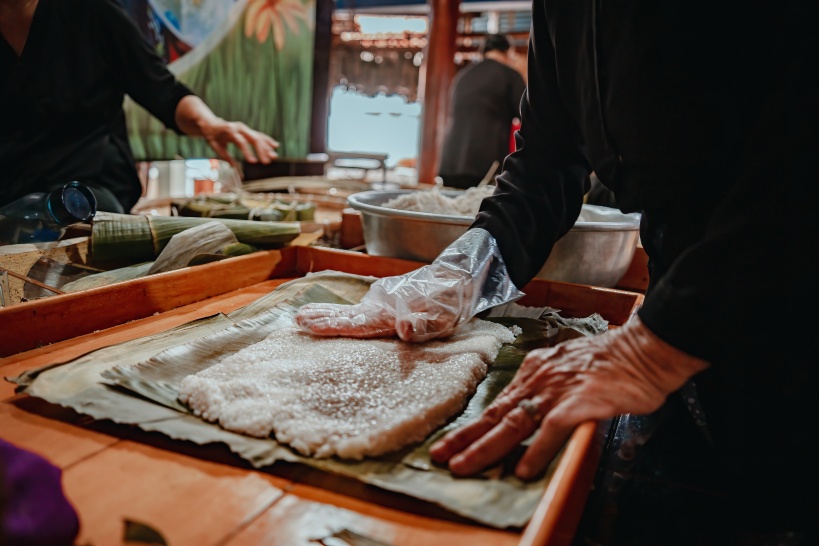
(597, 251)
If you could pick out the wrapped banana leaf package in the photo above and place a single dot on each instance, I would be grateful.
(246, 207)
(137, 238)
(161, 382)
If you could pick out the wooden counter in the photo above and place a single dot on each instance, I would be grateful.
(203, 495)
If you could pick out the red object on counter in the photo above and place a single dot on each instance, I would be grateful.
(515, 127)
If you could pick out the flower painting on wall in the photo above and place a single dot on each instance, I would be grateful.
(264, 17)
(249, 60)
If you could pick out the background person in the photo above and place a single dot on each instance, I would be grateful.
(66, 67)
(485, 99)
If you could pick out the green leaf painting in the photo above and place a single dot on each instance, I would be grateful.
(258, 68)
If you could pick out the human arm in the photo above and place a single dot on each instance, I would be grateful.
(751, 255)
(730, 297)
(547, 175)
(628, 370)
(540, 192)
(468, 277)
(140, 73)
(194, 118)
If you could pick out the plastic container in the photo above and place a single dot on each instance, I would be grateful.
(41, 217)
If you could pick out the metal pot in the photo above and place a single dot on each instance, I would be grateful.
(596, 251)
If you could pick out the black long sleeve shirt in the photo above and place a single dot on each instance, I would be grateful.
(485, 99)
(681, 108)
(702, 115)
(61, 116)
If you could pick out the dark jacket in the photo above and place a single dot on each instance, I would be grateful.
(701, 115)
(61, 116)
(485, 99)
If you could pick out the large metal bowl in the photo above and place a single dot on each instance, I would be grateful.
(597, 250)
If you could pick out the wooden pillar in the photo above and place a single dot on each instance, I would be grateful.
(321, 75)
(437, 73)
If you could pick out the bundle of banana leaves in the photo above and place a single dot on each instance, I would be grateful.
(247, 208)
(135, 238)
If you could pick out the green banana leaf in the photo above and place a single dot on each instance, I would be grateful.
(153, 368)
(105, 278)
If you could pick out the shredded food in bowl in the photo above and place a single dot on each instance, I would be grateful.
(434, 202)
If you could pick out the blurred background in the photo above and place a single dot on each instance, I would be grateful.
(348, 87)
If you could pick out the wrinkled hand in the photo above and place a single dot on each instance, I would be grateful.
(255, 146)
(424, 304)
(628, 370)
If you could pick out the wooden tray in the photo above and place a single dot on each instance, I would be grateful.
(206, 495)
(37, 323)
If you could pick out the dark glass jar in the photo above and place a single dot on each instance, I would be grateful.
(40, 217)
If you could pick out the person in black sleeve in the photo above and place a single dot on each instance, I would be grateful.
(64, 69)
(485, 99)
(702, 116)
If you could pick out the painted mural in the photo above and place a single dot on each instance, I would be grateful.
(249, 60)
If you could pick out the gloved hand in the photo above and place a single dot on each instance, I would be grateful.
(468, 277)
(628, 370)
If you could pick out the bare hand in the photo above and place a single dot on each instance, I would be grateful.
(629, 370)
(255, 146)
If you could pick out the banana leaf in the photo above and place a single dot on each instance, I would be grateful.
(108, 277)
(184, 246)
(141, 238)
(153, 367)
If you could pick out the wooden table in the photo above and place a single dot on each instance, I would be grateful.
(202, 495)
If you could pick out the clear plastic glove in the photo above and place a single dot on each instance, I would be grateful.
(628, 370)
(468, 277)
